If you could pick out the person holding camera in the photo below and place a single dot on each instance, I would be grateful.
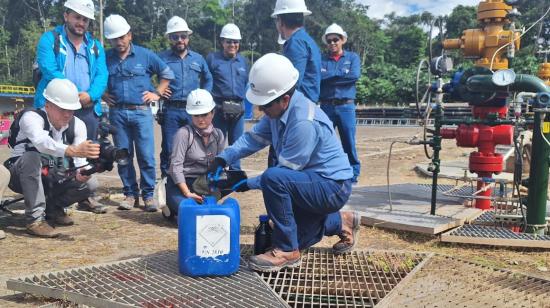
(195, 146)
(129, 95)
(190, 72)
(304, 192)
(49, 144)
(230, 72)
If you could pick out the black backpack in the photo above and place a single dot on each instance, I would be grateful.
(68, 134)
(37, 74)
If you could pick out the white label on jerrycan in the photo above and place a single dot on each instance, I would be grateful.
(213, 235)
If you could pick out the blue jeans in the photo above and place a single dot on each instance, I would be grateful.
(343, 118)
(232, 130)
(174, 196)
(174, 118)
(135, 129)
(91, 120)
(303, 205)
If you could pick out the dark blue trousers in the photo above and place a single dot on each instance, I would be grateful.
(303, 206)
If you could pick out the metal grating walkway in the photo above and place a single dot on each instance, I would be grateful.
(152, 281)
(450, 282)
(497, 236)
(357, 279)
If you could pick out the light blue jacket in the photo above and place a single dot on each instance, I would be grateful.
(303, 139)
(53, 66)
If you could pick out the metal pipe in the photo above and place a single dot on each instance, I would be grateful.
(538, 175)
(522, 83)
(436, 146)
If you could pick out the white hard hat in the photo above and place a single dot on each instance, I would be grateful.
(231, 31)
(199, 101)
(270, 77)
(334, 29)
(83, 7)
(63, 93)
(115, 26)
(290, 6)
(177, 24)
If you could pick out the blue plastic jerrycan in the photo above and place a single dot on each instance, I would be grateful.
(208, 237)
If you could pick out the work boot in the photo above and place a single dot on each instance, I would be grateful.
(351, 221)
(60, 219)
(42, 229)
(91, 205)
(275, 260)
(2, 235)
(128, 203)
(150, 205)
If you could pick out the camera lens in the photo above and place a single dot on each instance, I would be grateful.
(121, 156)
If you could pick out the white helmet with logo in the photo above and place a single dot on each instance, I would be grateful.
(231, 31)
(177, 24)
(334, 29)
(199, 101)
(290, 6)
(63, 93)
(270, 77)
(83, 7)
(115, 26)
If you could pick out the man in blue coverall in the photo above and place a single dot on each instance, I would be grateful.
(340, 70)
(191, 72)
(304, 192)
(230, 72)
(70, 51)
(130, 93)
(299, 47)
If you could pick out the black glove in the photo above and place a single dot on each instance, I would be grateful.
(218, 162)
(236, 178)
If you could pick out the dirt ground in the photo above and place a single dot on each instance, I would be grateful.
(120, 235)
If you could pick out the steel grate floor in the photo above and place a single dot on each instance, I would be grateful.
(357, 279)
(152, 281)
(450, 282)
(495, 236)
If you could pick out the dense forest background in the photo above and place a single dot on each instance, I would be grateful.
(390, 48)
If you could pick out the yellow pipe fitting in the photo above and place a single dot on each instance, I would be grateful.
(544, 72)
(482, 44)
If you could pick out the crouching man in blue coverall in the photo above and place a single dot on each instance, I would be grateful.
(304, 192)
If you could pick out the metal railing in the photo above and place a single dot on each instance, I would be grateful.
(392, 122)
(9, 89)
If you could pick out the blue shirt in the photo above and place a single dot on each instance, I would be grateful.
(303, 139)
(338, 78)
(230, 75)
(52, 65)
(190, 73)
(76, 67)
(129, 78)
(304, 54)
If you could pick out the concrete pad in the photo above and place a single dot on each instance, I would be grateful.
(410, 209)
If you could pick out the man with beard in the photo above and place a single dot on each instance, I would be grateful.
(190, 72)
(130, 93)
(70, 52)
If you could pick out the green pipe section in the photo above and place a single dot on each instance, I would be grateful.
(436, 146)
(538, 176)
(522, 83)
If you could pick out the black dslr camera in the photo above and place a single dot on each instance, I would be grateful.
(108, 153)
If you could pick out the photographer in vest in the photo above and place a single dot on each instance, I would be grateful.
(43, 157)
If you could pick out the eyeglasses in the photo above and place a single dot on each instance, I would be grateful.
(332, 41)
(267, 106)
(177, 37)
(229, 42)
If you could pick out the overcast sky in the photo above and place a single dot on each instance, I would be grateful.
(379, 8)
